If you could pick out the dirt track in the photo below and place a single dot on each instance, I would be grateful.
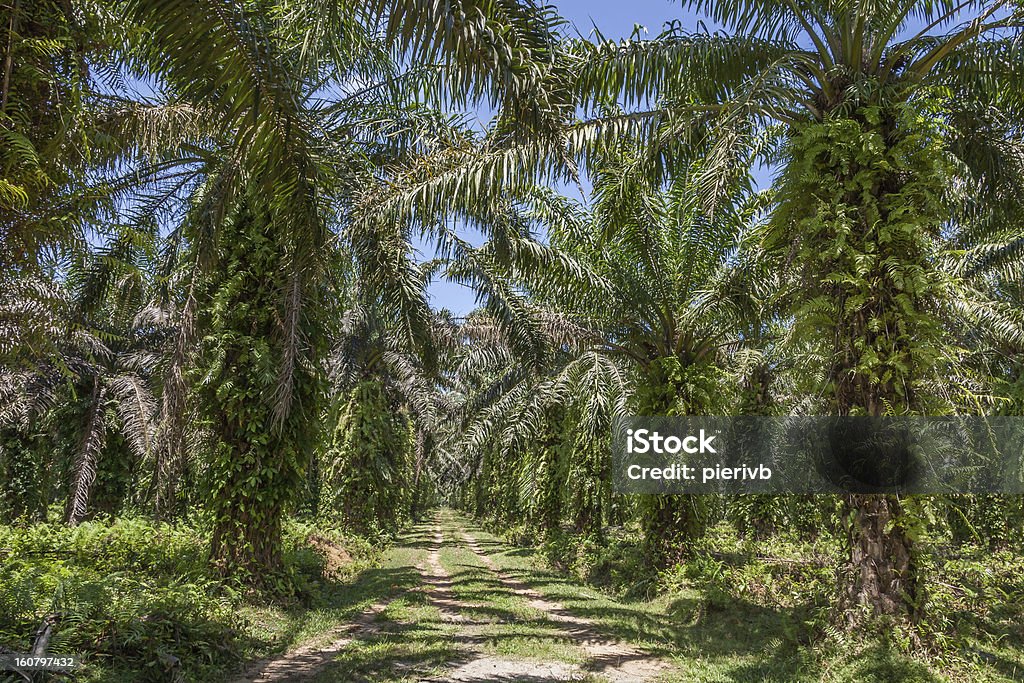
(468, 620)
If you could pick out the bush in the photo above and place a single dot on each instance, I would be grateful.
(139, 600)
(130, 595)
(615, 563)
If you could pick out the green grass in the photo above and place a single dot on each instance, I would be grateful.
(515, 630)
(409, 638)
(749, 624)
(412, 639)
(408, 641)
(133, 595)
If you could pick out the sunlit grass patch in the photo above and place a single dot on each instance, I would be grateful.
(475, 584)
(537, 641)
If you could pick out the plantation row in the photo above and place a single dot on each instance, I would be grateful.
(215, 325)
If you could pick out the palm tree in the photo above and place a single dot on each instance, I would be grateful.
(890, 111)
(382, 399)
(99, 373)
(657, 297)
(291, 131)
(46, 133)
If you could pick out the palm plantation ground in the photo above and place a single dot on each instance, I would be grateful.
(238, 442)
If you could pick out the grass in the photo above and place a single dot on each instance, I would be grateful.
(134, 596)
(515, 630)
(412, 639)
(139, 602)
(747, 623)
(409, 639)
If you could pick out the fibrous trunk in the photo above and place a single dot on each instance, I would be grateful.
(258, 455)
(884, 576)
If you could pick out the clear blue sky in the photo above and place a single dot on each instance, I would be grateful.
(615, 19)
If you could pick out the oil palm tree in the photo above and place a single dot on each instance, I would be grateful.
(890, 110)
(381, 405)
(97, 377)
(641, 319)
(295, 128)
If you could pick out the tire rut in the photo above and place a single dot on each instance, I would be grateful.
(306, 661)
(609, 658)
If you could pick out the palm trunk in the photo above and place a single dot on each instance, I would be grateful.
(248, 544)
(671, 524)
(884, 578)
(867, 195)
(552, 481)
(84, 470)
(258, 459)
(586, 478)
(551, 475)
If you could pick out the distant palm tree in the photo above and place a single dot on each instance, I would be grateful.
(381, 404)
(100, 369)
(642, 301)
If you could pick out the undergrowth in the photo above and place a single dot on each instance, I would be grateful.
(139, 600)
(971, 628)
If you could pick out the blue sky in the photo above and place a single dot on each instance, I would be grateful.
(615, 19)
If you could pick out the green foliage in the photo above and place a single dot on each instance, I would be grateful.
(131, 595)
(46, 129)
(862, 201)
(24, 491)
(618, 563)
(140, 601)
(368, 467)
(673, 387)
(257, 460)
